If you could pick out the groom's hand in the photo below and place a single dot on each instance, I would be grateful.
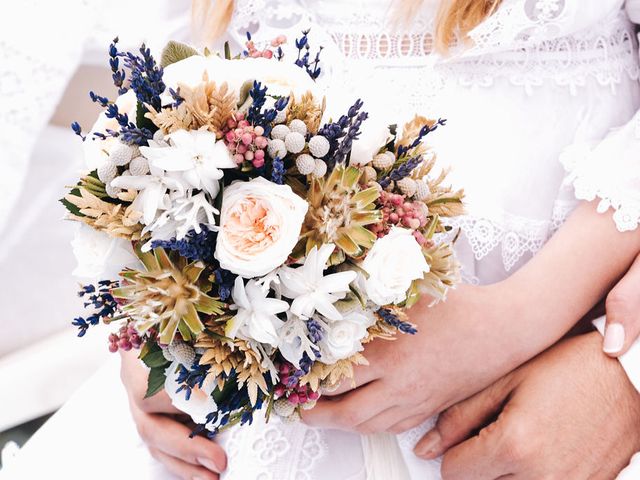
(570, 413)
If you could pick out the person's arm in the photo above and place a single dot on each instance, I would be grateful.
(481, 333)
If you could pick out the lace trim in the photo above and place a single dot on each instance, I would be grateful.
(607, 57)
(616, 188)
(514, 235)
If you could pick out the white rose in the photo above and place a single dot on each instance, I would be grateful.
(260, 224)
(96, 150)
(344, 337)
(394, 262)
(373, 136)
(200, 403)
(282, 78)
(100, 256)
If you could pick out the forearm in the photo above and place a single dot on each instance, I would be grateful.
(573, 271)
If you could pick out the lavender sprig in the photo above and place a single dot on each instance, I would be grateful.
(424, 131)
(99, 297)
(401, 172)
(277, 171)
(118, 75)
(389, 317)
(312, 68)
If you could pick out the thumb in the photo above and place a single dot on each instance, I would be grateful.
(458, 422)
(623, 313)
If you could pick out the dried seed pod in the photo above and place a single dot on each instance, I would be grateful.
(319, 146)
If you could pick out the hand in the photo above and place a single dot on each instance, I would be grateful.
(166, 437)
(623, 313)
(459, 349)
(570, 413)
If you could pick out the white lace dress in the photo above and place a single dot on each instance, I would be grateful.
(545, 81)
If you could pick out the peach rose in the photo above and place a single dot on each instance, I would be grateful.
(260, 224)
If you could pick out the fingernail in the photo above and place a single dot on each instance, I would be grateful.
(429, 446)
(209, 464)
(613, 338)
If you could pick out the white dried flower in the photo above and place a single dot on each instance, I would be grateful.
(121, 155)
(112, 191)
(407, 186)
(182, 353)
(369, 174)
(277, 148)
(308, 405)
(139, 166)
(321, 168)
(168, 355)
(283, 407)
(305, 163)
(281, 116)
(293, 418)
(279, 132)
(422, 190)
(158, 136)
(107, 172)
(297, 125)
(294, 142)
(319, 146)
(384, 160)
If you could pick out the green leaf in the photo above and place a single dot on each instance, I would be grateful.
(154, 358)
(142, 121)
(227, 51)
(155, 382)
(71, 208)
(176, 51)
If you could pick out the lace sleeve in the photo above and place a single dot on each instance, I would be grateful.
(610, 171)
(521, 23)
(36, 64)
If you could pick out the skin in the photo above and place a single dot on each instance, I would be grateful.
(482, 333)
(569, 414)
(164, 432)
(623, 307)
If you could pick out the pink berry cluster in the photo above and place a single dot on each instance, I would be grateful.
(296, 395)
(397, 211)
(126, 339)
(253, 52)
(246, 142)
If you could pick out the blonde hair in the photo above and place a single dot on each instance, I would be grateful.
(456, 18)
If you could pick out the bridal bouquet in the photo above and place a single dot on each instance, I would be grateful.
(256, 245)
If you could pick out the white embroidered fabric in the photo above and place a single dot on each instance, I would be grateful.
(537, 77)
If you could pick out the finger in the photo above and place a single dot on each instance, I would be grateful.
(623, 313)
(349, 410)
(408, 424)
(478, 458)
(182, 469)
(389, 417)
(458, 422)
(171, 437)
(362, 375)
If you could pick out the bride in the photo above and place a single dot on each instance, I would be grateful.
(531, 89)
